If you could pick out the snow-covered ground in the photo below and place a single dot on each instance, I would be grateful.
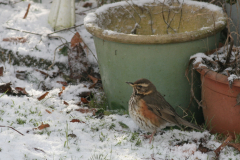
(112, 137)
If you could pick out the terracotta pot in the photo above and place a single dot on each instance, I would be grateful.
(219, 100)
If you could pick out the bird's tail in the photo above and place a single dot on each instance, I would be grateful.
(188, 124)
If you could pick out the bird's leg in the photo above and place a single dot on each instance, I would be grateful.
(150, 136)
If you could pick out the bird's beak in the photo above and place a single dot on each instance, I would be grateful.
(130, 83)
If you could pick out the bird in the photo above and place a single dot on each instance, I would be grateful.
(150, 111)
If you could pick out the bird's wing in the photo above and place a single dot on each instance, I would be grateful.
(159, 106)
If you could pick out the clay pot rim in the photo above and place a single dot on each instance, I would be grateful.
(206, 72)
(90, 23)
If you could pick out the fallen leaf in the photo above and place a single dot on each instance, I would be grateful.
(72, 135)
(48, 111)
(42, 126)
(76, 39)
(42, 96)
(15, 39)
(77, 57)
(84, 94)
(95, 80)
(1, 71)
(21, 75)
(84, 100)
(44, 73)
(88, 4)
(63, 83)
(77, 120)
(22, 90)
(6, 88)
(37, 149)
(60, 93)
(65, 103)
(83, 110)
(79, 103)
(203, 149)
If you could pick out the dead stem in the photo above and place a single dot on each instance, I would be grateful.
(13, 129)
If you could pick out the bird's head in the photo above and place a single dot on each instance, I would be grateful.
(142, 87)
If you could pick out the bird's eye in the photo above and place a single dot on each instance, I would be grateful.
(139, 87)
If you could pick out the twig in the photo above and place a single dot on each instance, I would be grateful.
(192, 91)
(13, 129)
(229, 52)
(43, 34)
(25, 16)
(134, 10)
(226, 142)
(64, 29)
(87, 10)
(24, 31)
(37, 149)
(168, 25)
(55, 55)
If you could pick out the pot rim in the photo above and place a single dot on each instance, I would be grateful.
(90, 23)
(208, 73)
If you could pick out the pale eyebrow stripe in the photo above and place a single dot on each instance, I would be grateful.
(144, 84)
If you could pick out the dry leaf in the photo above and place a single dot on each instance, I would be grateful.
(22, 90)
(25, 16)
(6, 88)
(44, 73)
(77, 57)
(77, 120)
(83, 110)
(15, 39)
(60, 93)
(88, 4)
(21, 75)
(203, 149)
(84, 100)
(84, 94)
(76, 39)
(95, 80)
(1, 71)
(42, 96)
(65, 103)
(42, 126)
(48, 111)
(63, 83)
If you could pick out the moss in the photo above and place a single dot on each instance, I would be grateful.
(16, 59)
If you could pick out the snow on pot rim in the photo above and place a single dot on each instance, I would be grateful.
(106, 22)
(208, 73)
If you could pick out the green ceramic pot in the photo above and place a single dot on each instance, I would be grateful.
(152, 50)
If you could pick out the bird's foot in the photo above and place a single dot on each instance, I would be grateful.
(150, 136)
(147, 136)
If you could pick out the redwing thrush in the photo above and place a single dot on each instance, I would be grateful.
(150, 111)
